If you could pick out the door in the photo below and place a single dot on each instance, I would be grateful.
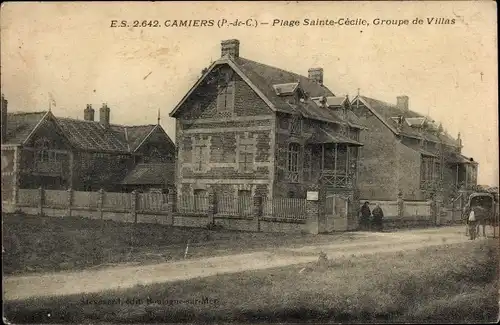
(329, 214)
(336, 210)
(340, 215)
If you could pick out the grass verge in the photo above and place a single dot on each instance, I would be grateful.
(450, 283)
(41, 244)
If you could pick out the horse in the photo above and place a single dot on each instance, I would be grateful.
(484, 216)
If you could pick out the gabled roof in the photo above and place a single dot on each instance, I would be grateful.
(134, 135)
(265, 80)
(20, 125)
(331, 101)
(151, 174)
(82, 134)
(387, 113)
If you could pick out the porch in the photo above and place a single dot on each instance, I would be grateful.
(330, 160)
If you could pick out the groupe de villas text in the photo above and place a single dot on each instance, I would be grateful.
(323, 22)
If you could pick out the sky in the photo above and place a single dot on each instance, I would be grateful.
(70, 50)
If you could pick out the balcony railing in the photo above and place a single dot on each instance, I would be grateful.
(47, 167)
(336, 179)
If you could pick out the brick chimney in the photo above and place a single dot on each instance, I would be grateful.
(316, 74)
(402, 102)
(230, 47)
(4, 118)
(88, 113)
(104, 113)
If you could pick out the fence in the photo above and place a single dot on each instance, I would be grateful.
(285, 208)
(79, 200)
(241, 212)
(234, 206)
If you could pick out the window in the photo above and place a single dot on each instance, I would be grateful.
(293, 162)
(342, 159)
(296, 125)
(245, 160)
(307, 164)
(225, 98)
(199, 157)
(47, 160)
(430, 171)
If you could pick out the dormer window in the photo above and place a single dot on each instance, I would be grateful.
(416, 122)
(285, 89)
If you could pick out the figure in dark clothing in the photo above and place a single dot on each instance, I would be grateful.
(365, 216)
(378, 215)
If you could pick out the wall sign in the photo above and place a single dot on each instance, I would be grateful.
(312, 196)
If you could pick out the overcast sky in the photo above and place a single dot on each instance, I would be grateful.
(68, 49)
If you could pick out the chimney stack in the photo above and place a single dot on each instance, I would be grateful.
(402, 102)
(88, 113)
(316, 74)
(230, 47)
(4, 118)
(104, 113)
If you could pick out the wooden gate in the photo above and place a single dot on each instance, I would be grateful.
(336, 210)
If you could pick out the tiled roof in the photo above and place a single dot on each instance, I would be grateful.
(389, 111)
(90, 135)
(325, 135)
(20, 125)
(266, 79)
(133, 135)
(86, 135)
(427, 153)
(150, 173)
(456, 158)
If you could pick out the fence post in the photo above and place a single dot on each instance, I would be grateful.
(133, 205)
(171, 204)
(314, 210)
(401, 207)
(212, 201)
(41, 200)
(257, 211)
(100, 203)
(70, 201)
(439, 202)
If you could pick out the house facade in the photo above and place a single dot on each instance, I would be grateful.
(405, 152)
(249, 129)
(41, 150)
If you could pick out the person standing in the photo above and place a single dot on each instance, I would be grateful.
(378, 216)
(472, 224)
(365, 216)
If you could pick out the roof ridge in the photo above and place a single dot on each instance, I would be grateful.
(273, 67)
(396, 106)
(87, 121)
(24, 113)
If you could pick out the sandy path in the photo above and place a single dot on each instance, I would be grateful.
(120, 277)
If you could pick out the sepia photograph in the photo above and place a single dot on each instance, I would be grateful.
(250, 162)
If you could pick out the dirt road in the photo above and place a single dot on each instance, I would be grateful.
(120, 277)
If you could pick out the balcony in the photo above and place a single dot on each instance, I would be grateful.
(48, 168)
(335, 179)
